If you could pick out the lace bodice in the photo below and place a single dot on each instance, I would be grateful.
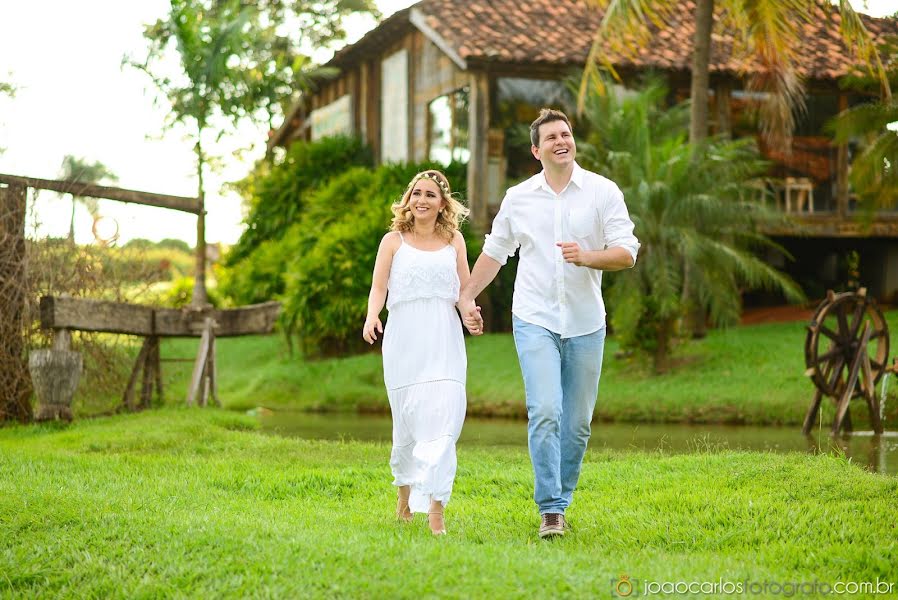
(417, 274)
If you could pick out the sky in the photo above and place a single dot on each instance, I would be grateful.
(75, 98)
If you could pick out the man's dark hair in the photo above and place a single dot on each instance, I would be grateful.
(546, 115)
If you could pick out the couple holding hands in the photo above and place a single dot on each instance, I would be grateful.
(570, 225)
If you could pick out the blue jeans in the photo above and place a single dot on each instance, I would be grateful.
(561, 382)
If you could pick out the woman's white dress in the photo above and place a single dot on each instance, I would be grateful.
(424, 371)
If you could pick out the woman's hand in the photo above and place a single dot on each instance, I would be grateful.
(470, 316)
(372, 326)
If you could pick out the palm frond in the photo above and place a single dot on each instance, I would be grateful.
(855, 35)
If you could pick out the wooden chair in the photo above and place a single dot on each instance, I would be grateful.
(804, 193)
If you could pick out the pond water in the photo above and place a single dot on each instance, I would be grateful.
(875, 453)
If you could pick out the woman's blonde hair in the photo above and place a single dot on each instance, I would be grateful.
(448, 220)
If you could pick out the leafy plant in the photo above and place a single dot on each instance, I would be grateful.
(769, 33)
(697, 227)
(275, 191)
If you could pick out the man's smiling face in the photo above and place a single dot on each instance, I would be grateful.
(556, 145)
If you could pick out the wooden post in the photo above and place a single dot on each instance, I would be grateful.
(478, 137)
(842, 167)
(150, 372)
(139, 367)
(157, 369)
(55, 373)
(723, 99)
(203, 375)
(849, 391)
(200, 299)
(15, 381)
(811, 415)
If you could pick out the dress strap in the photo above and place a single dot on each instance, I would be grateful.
(401, 239)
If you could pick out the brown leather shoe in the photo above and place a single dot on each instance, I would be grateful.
(552, 525)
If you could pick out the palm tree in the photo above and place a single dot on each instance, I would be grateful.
(770, 31)
(874, 172)
(79, 170)
(688, 210)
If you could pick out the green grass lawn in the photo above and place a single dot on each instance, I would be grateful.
(749, 374)
(195, 503)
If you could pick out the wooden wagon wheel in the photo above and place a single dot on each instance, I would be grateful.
(846, 350)
(834, 337)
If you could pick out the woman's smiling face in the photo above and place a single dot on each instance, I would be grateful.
(426, 200)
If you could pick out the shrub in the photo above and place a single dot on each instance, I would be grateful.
(180, 293)
(276, 192)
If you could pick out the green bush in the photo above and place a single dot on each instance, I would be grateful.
(276, 192)
(180, 293)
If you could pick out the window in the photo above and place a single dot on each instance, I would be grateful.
(394, 108)
(333, 119)
(447, 134)
(517, 104)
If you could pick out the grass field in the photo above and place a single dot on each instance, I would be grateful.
(195, 503)
(749, 374)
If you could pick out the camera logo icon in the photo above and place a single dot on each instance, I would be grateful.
(624, 586)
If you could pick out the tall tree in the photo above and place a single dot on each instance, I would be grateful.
(238, 60)
(769, 32)
(80, 170)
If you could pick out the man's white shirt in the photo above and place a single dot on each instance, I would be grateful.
(548, 291)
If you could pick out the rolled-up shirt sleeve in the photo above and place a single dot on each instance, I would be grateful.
(501, 243)
(618, 226)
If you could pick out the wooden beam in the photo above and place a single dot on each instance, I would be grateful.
(131, 319)
(246, 320)
(418, 19)
(478, 134)
(95, 315)
(833, 225)
(190, 205)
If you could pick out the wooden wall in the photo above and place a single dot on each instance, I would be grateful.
(431, 74)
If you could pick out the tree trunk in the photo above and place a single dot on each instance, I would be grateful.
(701, 57)
(698, 133)
(15, 381)
(199, 298)
(72, 223)
(696, 314)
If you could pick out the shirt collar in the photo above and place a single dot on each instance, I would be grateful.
(539, 181)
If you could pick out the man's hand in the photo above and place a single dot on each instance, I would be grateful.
(470, 316)
(572, 253)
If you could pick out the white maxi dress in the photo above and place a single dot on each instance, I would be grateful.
(424, 371)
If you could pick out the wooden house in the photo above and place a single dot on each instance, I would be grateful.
(461, 79)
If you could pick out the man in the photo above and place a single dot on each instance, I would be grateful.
(570, 225)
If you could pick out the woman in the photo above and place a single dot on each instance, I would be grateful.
(422, 263)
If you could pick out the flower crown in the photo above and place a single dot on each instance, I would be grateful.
(443, 185)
